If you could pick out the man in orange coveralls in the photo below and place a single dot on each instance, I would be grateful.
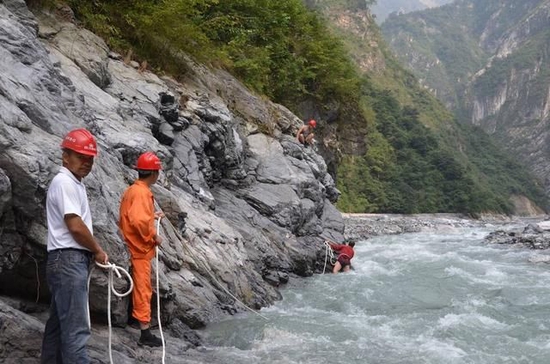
(137, 223)
(345, 255)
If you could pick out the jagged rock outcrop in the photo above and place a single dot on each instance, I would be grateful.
(244, 209)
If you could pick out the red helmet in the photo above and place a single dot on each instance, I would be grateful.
(80, 141)
(148, 161)
(312, 123)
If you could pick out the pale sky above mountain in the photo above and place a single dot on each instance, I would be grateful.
(385, 7)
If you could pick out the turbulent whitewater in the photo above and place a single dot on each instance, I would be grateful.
(413, 298)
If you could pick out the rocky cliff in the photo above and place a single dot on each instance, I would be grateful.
(488, 61)
(245, 204)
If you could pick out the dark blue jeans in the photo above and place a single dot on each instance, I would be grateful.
(67, 330)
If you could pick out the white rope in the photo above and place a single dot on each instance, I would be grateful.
(158, 294)
(328, 251)
(113, 268)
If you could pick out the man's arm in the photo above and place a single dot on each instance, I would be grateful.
(300, 131)
(84, 237)
(334, 246)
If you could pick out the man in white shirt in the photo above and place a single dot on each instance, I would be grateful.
(71, 248)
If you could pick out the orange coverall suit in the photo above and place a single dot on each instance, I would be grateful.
(137, 223)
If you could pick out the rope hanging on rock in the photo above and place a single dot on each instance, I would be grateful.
(113, 269)
(158, 294)
(329, 251)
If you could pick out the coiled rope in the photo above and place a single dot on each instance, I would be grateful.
(113, 269)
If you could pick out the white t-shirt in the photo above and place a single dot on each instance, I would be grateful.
(66, 195)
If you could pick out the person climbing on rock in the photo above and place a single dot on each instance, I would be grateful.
(137, 223)
(345, 254)
(305, 133)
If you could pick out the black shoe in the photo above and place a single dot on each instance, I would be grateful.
(148, 339)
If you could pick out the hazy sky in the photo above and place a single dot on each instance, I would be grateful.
(384, 7)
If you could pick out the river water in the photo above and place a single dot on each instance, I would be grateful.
(425, 298)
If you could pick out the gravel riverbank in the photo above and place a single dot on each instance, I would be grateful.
(363, 226)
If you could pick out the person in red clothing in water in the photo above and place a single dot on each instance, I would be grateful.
(345, 254)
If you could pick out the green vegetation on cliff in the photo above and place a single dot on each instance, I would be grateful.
(409, 168)
(277, 48)
(410, 159)
(446, 47)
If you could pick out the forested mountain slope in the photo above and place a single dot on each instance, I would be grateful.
(489, 62)
(470, 161)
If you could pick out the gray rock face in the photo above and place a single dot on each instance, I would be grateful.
(21, 339)
(243, 209)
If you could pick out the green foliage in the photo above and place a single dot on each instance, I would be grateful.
(416, 176)
(497, 171)
(278, 48)
(156, 31)
(408, 168)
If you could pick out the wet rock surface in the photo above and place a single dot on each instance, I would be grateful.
(532, 236)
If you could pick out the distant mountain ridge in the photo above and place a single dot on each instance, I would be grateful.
(401, 176)
(383, 8)
(489, 61)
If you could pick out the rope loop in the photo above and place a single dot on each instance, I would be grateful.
(113, 269)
